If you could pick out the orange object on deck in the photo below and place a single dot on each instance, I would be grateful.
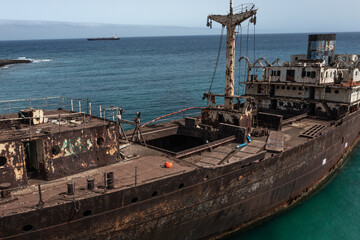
(168, 164)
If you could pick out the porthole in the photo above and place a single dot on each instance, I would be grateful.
(55, 150)
(283, 87)
(336, 91)
(27, 228)
(288, 88)
(2, 161)
(154, 194)
(306, 89)
(300, 88)
(181, 186)
(100, 141)
(87, 213)
(277, 87)
(294, 88)
(134, 200)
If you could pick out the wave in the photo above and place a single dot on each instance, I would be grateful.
(35, 60)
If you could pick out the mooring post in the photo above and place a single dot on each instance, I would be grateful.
(110, 180)
(5, 191)
(90, 183)
(70, 188)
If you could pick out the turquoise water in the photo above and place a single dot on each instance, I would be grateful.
(160, 75)
(332, 213)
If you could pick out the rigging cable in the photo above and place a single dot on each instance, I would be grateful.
(239, 83)
(247, 51)
(254, 21)
(217, 60)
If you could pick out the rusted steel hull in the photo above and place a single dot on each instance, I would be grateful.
(198, 204)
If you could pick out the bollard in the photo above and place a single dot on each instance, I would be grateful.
(110, 180)
(70, 188)
(5, 191)
(90, 183)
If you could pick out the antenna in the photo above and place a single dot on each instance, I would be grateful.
(231, 7)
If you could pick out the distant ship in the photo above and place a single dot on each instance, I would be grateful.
(115, 37)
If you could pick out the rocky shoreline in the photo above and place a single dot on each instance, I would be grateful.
(4, 62)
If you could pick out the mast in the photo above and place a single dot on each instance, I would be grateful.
(230, 21)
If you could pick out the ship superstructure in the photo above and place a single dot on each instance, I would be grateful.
(320, 83)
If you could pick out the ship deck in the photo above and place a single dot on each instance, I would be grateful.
(149, 164)
(56, 121)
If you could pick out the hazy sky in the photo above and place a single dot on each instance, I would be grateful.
(274, 16)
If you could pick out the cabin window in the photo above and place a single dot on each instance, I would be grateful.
(100, 141)
(2, 161)
(288, 88)
(55, 150)
(356, 73)
(294, 88)
(87, 213)
(306, 89)
(296, 58)
(308, 74)
(344, 58)
(331, 74)
(154, 194)
(303, 73)
(300, 88)
(290, 75)
(313, 74)
(283, 87)
(328, 90)
(27, 228)
(326, 74)
(277, 87)
(278, 73)
(273, 73)
(336, 91)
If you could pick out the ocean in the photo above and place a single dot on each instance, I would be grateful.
(160, 75)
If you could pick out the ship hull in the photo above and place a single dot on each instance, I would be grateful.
(198, 204)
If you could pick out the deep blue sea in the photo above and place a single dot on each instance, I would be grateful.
(159, 75)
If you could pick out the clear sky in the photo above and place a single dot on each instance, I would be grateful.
(274, 16)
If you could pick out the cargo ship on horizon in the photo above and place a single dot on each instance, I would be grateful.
(114, 37)
(68, 174)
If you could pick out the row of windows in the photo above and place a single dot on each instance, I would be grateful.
(331, 74)
(293, 88)
(311, 74)
(327, 90)
(275, 73)
(303, 74)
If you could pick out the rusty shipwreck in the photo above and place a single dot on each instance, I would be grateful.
(66, 174)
